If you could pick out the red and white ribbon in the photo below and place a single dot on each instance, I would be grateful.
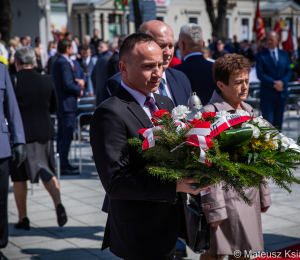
(149, 136)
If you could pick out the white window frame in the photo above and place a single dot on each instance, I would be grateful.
(249, 28)
(193, 16)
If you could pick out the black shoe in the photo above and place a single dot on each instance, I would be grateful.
(61, 215)
(73, 167)
(23, 224)
(68, 171)
(180, 253)
(3, 257)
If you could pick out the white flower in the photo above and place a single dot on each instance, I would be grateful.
(222, 113)
(256, 132)
(267, 137)
(198, 115)
(276, 144)
(261, 122)
(285, 144)
(291, 141)
(242, 112)
(279, 136)
(180, 112)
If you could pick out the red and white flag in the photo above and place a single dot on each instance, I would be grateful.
(258, 25)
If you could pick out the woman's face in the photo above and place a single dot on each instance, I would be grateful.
(238, 86)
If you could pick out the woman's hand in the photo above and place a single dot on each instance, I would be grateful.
(215, 224)
(264, 210)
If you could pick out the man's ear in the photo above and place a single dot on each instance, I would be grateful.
(123, 68)
(203, 43)
(220, 85)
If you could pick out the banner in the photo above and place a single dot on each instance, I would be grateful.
(258, 25)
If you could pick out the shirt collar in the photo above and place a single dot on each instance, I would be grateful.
(164, 76)
(138, 96)
(66, 57)
(192, 54)
(276, 50)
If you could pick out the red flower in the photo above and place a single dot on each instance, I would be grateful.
(207, 115)
(160, 113)
(195, 121)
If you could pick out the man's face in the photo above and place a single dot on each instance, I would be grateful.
(271, 41)
(165, 38)
(70, 50)
(24, 42)
(85, 53)
(220, 47)
(142, 71)
(96, 33)
(86, 41)
(102, 47)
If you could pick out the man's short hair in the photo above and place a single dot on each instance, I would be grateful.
(87, 37)
(194, 32)
(129, 43)
(85, 47)
(103, 42)
(229, 64)
(205, 50)
(63, 44)
(26, 56)
(142, 28)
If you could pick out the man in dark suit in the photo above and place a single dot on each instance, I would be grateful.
(113, 63)
(175, 84)
(274, 71)
(137, 200)
(247, 51)
(85, 63)
(68, 88)
(13, 133)
(195, 66)
(99, 75)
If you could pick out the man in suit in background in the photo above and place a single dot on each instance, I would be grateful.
(247, 51)
(13, 133)
(86, 63)
(137, 200)
(175, 84)
(113, 63)
(99, 74)
(274, 71)
(68, 88)
(195, 66)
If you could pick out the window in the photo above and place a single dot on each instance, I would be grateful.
(160, 18)
(193, 19)
(245, 29)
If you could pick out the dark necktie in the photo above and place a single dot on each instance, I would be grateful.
(72, 66)
(274, 57)
(150, 103)
(163, 87)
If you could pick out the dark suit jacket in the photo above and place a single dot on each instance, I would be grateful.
(99, 75)
(66, 87)
(248, 54)
(267, 72)
(177, 80)
(142, 212)
(50, 64)
(36, 97)
(9, 110)
(113, 65)
(199, 72)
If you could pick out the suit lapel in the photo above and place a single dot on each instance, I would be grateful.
(134, 106)
(173, 87)
(159, 102)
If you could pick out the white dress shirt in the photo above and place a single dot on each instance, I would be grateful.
(87, 60)
(139, 97)
(167, 87)
(276, 53)
(192, 54)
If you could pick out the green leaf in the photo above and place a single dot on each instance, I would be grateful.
(250, 155)
(255, 155)
(236, 138)
(246, 152)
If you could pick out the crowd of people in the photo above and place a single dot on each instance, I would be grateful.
(135, 75)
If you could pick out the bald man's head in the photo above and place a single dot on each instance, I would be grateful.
(163, 35)
(272, 40)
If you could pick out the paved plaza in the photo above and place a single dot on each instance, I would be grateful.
(81, 237)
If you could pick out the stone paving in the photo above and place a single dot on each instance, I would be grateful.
(81, 237)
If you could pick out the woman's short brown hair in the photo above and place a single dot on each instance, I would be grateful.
(229, 64)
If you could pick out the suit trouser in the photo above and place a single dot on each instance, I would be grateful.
(66, 127)
(272, 110)
(4, 173)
